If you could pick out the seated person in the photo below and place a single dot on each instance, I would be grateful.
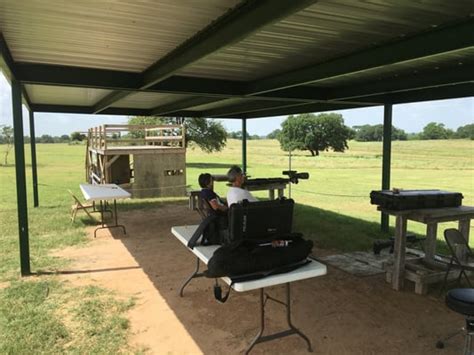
(236, 193)
(207, 193)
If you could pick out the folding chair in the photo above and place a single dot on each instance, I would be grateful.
(461, 255)
(79, 206)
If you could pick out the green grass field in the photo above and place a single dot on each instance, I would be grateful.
(333, 209)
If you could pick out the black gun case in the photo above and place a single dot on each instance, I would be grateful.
(400, 200)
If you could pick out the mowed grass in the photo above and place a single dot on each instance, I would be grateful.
(333, 209)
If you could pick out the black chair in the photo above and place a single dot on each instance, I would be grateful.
(462, 256)
(461, 300)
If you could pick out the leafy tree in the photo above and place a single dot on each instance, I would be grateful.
(7, 138)
(466, 131)
(274, 134)
(238, 135)
(315, 133)
(77, 136)
(209, 135)
(235, 134)
(374, 133)
(435, 130)
(413, 136)
(46, 138)
(143, 121)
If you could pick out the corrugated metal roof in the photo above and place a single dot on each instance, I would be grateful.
(62, 95)
(132, 35)
(121, 35)
(148, 100)
(328, 29)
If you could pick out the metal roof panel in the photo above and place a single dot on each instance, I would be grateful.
(121, 35)
(63, 95)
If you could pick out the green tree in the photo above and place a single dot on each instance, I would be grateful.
(7, 138)
(466, 131)
(435, 130)
(46, 138)
(274, 134)
(374, 133)
(315, 133)
(77, 136)
(209, 135)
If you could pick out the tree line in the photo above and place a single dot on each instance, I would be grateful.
(307, 131)
(374, 133)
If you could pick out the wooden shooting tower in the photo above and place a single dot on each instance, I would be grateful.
(148, 161)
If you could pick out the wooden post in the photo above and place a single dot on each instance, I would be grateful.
(105, 137)
(430, 246)
(398, 274)
(183, 133)
(271, 194)
(464, 227)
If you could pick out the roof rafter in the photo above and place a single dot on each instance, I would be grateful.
(230, 28)
(424, 45)
(182, 104)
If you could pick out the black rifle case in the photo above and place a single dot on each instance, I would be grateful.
(400, 200)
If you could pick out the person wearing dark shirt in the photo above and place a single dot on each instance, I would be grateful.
(207, 193)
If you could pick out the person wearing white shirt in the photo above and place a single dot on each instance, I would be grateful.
(236, 193)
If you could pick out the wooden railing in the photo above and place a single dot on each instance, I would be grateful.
(170, 136)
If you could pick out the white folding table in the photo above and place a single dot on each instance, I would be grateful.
(101, 193)
(204, 253)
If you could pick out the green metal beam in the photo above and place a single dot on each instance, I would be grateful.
(221, 89)
(429, 94)
(238, 23)
(424, 45)
(199, 86)
(244, 145)
(182, 104)
(386, 159)
(319, 107)
(46, 74)
(422, 80)
(20, 178)
(34, 171)
(109, 100)
(248, 107)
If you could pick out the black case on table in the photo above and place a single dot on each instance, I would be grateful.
(415, 199)
(260, 220)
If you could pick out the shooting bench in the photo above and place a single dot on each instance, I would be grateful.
(204, 253)
(425, 270)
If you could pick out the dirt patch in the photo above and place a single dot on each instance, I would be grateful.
(340, 313)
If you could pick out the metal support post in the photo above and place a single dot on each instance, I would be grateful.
(386, 160)
(22, 206)
(34, 171)
(244, 145)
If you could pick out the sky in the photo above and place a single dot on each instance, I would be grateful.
(409, 117)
